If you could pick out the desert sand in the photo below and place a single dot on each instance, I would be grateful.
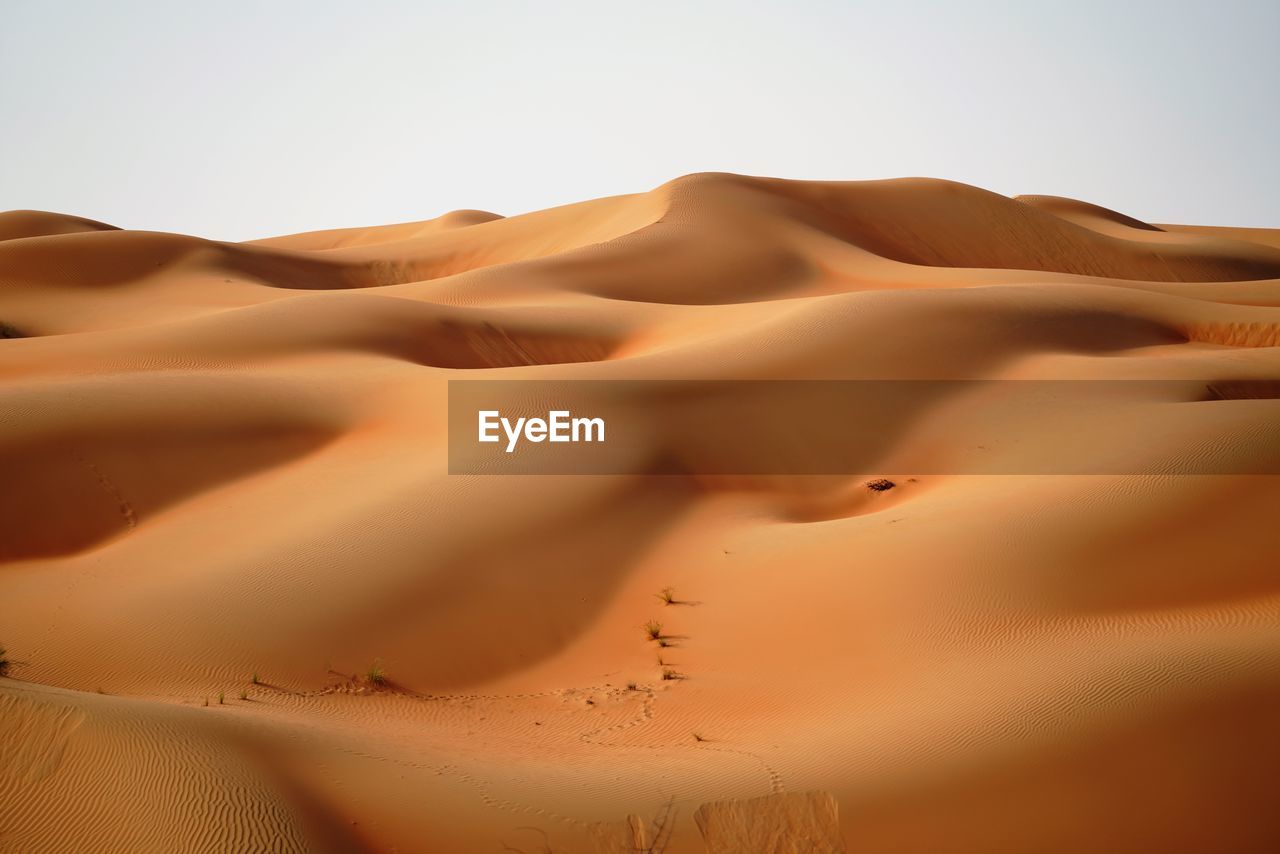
(246, 607)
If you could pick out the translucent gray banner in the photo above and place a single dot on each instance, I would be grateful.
(822, 427)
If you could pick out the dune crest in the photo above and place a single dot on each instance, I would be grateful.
(247, 607)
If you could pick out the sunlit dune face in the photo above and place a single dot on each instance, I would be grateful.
(246, 603)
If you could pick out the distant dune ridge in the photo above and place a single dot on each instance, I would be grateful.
(245, 606)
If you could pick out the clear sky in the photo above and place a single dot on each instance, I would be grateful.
(246, 119)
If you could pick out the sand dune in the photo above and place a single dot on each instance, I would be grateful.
(247, 607)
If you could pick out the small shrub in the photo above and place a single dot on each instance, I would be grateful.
(880, 484)
(697, 736)
(376, 675)
(4, 662)
(256, 680)
(222, 698)
(668, 674)
(7, 331)
(653, 630)
(664, 642)
(667, 596)
(244, 695)
(631, 686)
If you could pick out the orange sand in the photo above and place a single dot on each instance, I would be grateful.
(223, 460)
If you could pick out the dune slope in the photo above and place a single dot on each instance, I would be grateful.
(247, 607)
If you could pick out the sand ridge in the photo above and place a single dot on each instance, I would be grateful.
(225, 474)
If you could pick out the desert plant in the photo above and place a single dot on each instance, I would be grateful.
(7, 331)
(256, 680)
(697, 736)
(4, 662)
(631, 686)
(664, 642)
(653, 630)
(668, 674)
(206, 701)
(244, 695)
(222, 698)
(375, 675)
(667, 596)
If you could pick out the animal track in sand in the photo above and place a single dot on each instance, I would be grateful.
(126, 509)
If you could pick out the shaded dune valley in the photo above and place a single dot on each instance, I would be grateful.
(245, 605)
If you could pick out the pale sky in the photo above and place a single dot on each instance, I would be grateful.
(236, 120)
